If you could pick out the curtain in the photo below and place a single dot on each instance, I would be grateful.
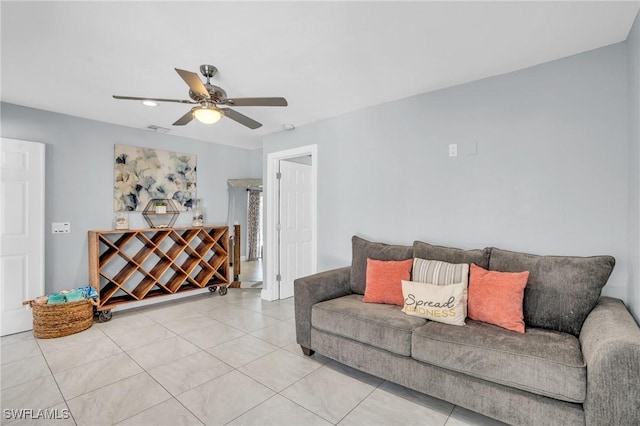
(253, 225)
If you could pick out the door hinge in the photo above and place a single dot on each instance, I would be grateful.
(278, 175)
(278, 227)
(278, 277)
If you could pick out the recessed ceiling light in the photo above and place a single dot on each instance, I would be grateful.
(149, 103)
(288, 126)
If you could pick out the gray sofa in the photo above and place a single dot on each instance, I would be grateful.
(577, 363)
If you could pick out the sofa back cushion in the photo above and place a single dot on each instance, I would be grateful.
(451, 255)
(496, 297)
(384, 281)
(363, 250)
(561, 290)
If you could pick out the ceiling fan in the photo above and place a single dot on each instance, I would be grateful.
(208, 97)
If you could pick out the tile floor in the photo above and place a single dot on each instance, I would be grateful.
(251, 274)
(206, 359)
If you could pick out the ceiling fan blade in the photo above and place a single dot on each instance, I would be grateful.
(241, 118)
(134, 98)
(194, 82)
(257, 102)
(185, 119)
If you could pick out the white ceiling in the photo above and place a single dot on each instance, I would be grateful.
(326, 58)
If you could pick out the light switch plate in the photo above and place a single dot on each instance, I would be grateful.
(61, 227)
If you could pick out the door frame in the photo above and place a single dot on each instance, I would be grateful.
(271, 288)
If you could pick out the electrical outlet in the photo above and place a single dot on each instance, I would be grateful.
(61, 227)
(453, 150)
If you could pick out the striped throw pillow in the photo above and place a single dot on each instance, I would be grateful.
(442, 273)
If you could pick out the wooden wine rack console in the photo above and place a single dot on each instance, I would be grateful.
(127, 266)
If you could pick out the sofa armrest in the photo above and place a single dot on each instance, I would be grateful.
(610, 340)
(313, 289)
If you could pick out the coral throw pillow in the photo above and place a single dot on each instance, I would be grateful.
(496, 297)
(384, 281)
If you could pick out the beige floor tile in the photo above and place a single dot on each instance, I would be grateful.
(206, 338)
(221, 400)
(189, 372)
(78, 341)
(245, 320)
(36, 394)
(279, 411)
(19, 350)
(162, 352)
(279, 369)
(117, 401)
(93, 375)
(129, 339)
(279, 334)
(167, 413)
(385, 408)
(165, 312)
(23, 370)
(328, 393)
(16, 338)
(195, 322)
(281, 311)
(240, 351)
(75, 356)
(129, 319)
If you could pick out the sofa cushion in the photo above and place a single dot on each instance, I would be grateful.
(561, 290)
(540, 361)
(382, 326)
(496, 297)
(443, 303)
(384, 281)
(438, 272)
(451, 255)
(363, 250)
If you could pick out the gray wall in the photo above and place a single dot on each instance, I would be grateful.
(550, 175)
(633, 67)
(79, 180)
(256, 162)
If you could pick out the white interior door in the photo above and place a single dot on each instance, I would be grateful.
(21, 230)
(295, 224)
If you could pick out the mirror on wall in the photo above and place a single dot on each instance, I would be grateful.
(245, 209)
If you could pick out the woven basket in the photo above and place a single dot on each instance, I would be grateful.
(62, 319)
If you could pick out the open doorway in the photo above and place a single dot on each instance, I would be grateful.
(291, 224)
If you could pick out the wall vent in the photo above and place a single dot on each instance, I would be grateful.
(158, 129)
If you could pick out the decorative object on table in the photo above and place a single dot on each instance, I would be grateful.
(161, 213)
(122, 220)
(143, 174)
(64, 313)
(161, 207)
(198, 214)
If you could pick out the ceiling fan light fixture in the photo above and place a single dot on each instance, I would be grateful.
(207, 115)
(149, 103)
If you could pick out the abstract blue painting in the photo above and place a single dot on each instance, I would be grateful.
(142, 174)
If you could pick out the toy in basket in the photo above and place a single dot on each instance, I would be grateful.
(62, 314)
